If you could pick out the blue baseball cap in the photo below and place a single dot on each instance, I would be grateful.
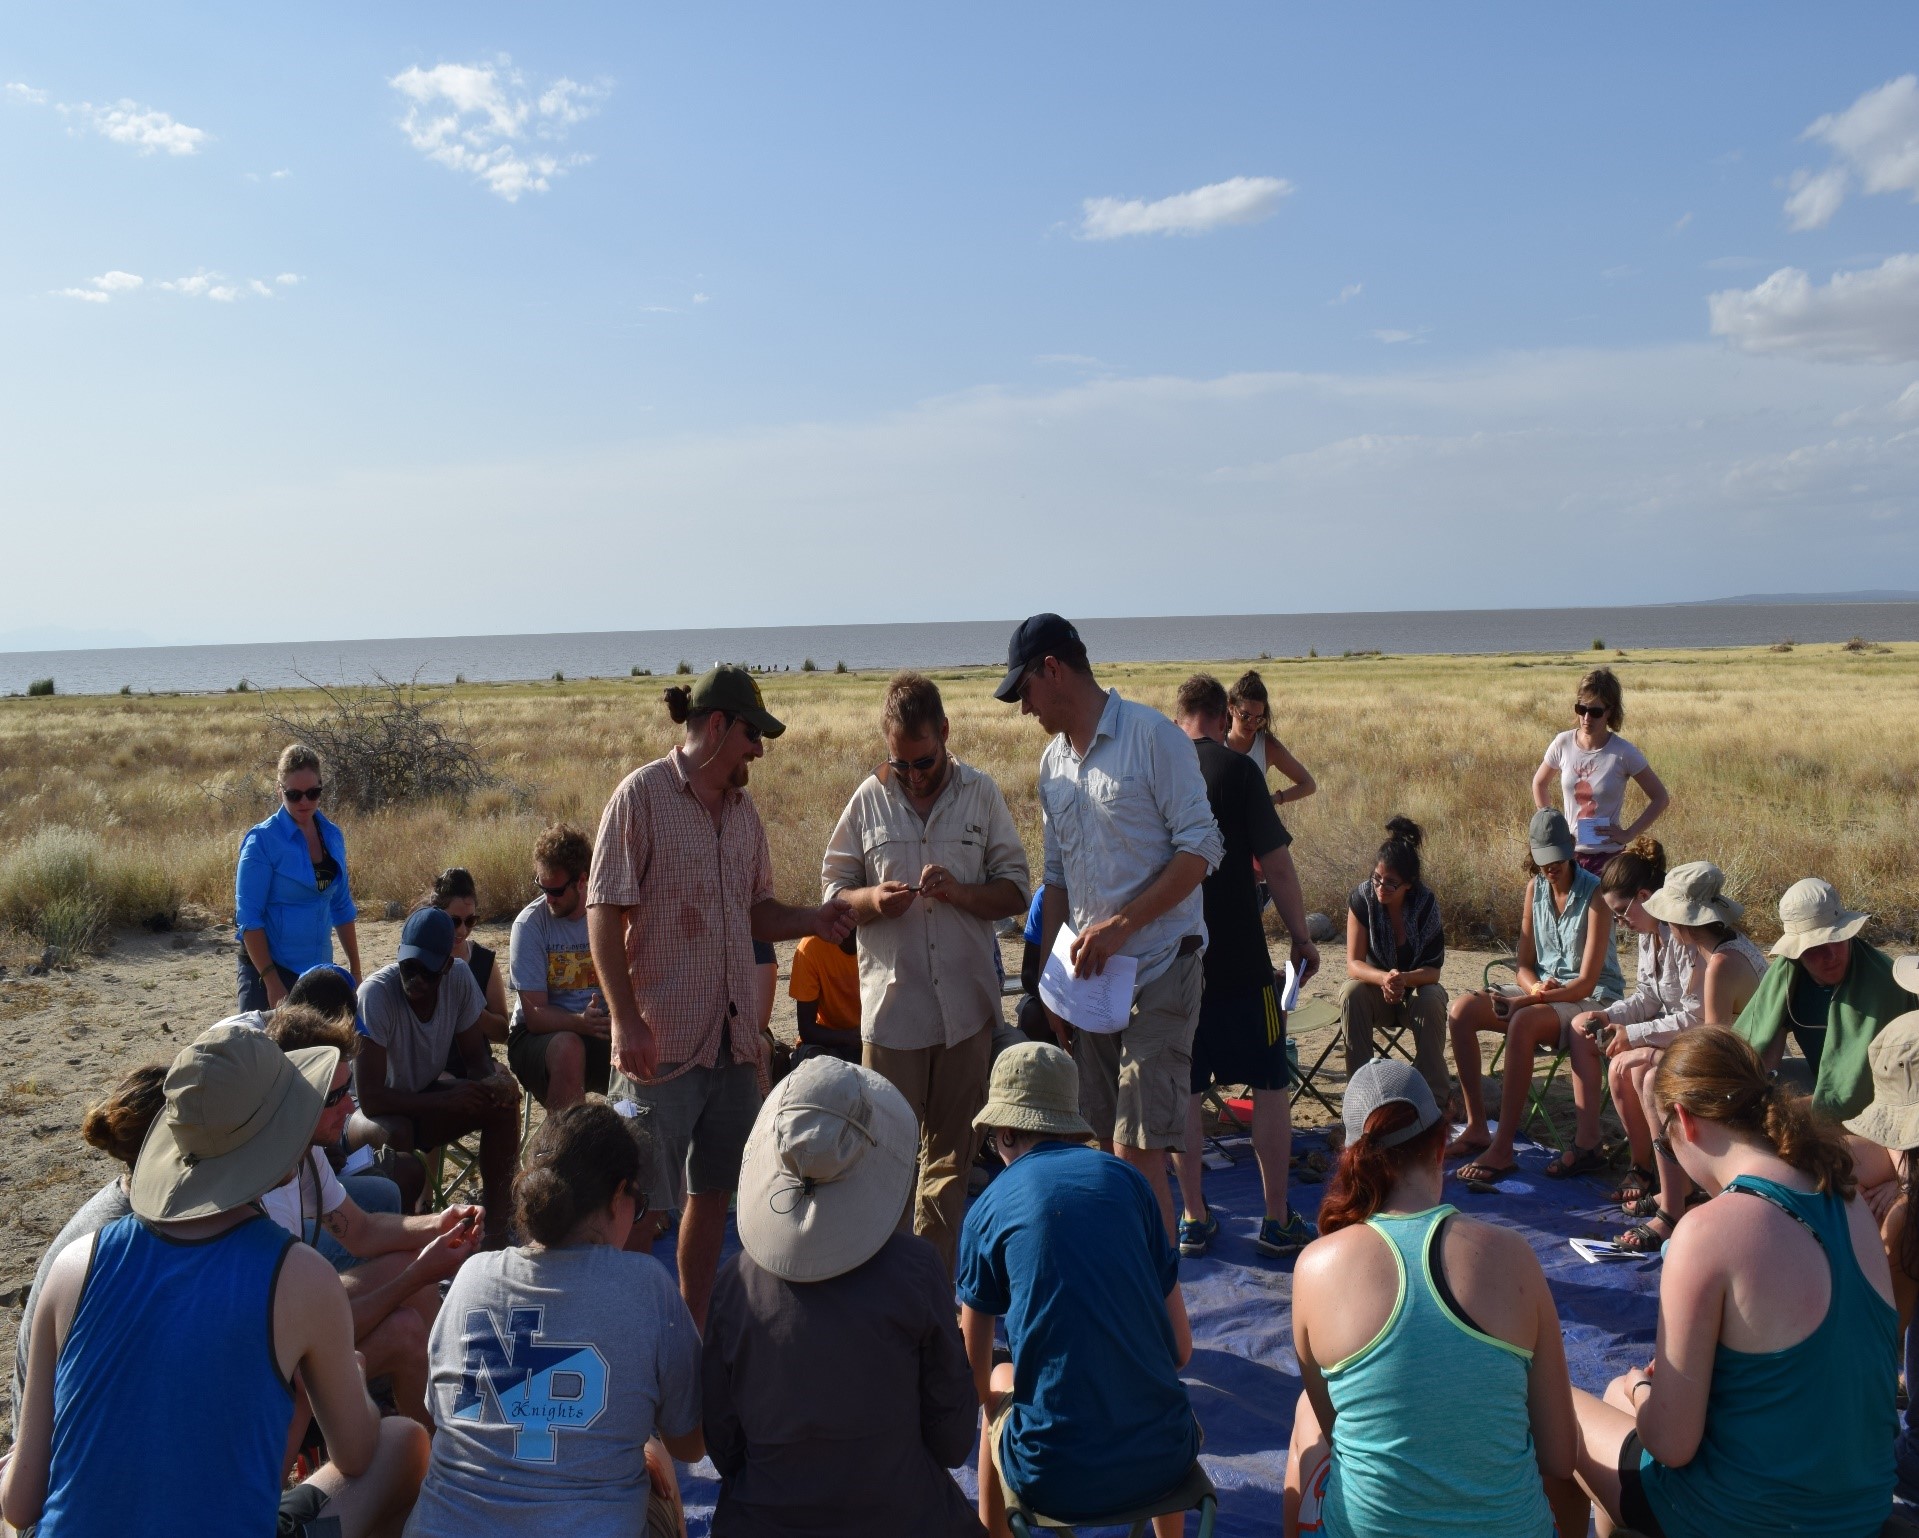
(427, 939)
(1039, 637)
(335, 969)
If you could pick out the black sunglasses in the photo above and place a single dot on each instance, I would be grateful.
(747, 729)
(338, 1095)
(1661, 1145)
(302, 795)
(471, 920)
(551, 891)
(914, 765)
(1594, 711)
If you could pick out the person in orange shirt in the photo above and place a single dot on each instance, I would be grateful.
(825, 989)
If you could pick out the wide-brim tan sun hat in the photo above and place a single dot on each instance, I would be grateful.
(1811, 914)
(239, 1116)
(1693, 895)
(1035, 1088)
(1892, 1120)
(826, 1171)
(1905, 972)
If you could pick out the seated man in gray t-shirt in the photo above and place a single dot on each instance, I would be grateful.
(415, 1013)
(559, 1044)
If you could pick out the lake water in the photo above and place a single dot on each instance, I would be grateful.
(1196, 638)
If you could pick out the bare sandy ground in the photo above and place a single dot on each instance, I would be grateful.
(65, 1038)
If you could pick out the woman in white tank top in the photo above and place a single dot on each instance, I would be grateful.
(1251, 734)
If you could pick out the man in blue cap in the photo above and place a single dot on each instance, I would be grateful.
(415, 1013)
(1130, 836)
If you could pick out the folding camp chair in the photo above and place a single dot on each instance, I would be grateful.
(1538, 1088)
(1315, 1015)
(1193, 1493)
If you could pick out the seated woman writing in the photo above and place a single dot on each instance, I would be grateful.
(1726, 968)
(1566, 967)
(1768, 1405)
(1406, 1318)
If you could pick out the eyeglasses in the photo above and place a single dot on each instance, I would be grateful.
(1661, 1145)
(1386, 883)
(338, 1095)
(295, 797)
(551, 891)
(473, 918)
(747, 729)
(912, 765)
(1591, 712)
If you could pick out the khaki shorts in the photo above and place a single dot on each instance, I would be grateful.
(699, 1120)
(1567, 1010)
(1134, 1084)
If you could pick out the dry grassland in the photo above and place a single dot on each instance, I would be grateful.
(1781, 764)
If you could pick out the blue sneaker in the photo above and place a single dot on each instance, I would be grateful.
(1282, 1239)
(1196, 1233)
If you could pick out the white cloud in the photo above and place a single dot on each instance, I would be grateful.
(260, 288)
(1815, 199)
(117, 282)
(699, 299)
(147, 129)
(1239, 200)
(475, 118)
(91, 295)
(1680, 223)
(288, 279)
(1868, 317)
(1876, 139)
(1392, 336)
(1350, 292)
(25, 93)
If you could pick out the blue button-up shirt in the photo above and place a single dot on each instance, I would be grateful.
(274, 889)
(1115, 818)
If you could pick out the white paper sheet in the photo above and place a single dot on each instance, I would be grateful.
(1101, 1004)
(360, 1159)
(1289, 995)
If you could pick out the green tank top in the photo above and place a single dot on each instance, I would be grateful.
(1401, 1468)
(1800, 1440)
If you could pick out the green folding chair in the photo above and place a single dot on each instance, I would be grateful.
(1315, 1015)
(1538, 1088)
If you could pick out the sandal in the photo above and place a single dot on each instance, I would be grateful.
(1639, 1182)
(1647, 1206)
(1582, 1161)
(1644, 1238)
(1478, 1173)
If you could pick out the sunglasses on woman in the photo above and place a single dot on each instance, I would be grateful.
(295, 797)
(1591, 712)
(473, 918)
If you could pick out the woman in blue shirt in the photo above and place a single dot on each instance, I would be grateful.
(291, 889)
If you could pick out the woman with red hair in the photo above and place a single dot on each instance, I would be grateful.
(1436, 1398)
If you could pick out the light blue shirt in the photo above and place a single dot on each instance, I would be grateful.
(274, 889)
(1114, 818)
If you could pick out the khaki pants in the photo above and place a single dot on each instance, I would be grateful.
(945, 1086)
(1363, 1010)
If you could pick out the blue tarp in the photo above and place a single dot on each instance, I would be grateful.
(1243, 1377)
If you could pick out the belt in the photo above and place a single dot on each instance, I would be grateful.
(1190, 944)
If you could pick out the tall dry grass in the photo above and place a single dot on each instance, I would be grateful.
(1781, 765)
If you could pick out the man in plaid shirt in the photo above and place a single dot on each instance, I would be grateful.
(681, 887)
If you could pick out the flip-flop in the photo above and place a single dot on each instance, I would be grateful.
(1457, 1149)
(1476, 1174)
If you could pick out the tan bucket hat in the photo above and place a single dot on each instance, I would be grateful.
(826, 1171)
(1692, 894)
(1905, 972)
(1811, 914)
(1892, 1120)
(1035, 1088)
(239, 1115)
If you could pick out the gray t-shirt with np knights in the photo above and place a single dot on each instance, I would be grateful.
(549, 1370)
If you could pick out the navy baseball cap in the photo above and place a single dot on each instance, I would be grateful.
(427, 939)
(334, 969)
(1041, 636)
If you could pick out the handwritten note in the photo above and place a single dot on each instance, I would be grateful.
(1101, 1004)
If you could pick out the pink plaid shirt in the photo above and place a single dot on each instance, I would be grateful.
(691, 889)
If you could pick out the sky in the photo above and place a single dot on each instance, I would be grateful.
(452, 319)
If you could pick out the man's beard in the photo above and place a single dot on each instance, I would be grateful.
(738, 781)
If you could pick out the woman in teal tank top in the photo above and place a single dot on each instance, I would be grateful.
(1769, 1405)
(1436, 1400)
(1567, 966)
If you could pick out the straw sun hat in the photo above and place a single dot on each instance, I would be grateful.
(1811, 914)
(1693, 895)
(1892, 1120)
(1035, 1088)
(826, 1170)
(239, 1115)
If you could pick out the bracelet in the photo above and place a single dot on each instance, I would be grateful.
(1642, 1383)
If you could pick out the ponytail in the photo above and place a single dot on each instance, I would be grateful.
(1368, 1169)
(1717, 1077)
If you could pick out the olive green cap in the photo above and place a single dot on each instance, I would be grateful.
(737, 692)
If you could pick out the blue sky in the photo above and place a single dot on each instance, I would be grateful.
(480, 318)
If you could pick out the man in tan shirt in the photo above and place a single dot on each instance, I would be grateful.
(681, 887)
(927, 856)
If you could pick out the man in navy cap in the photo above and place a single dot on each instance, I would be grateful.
(1130, 836)
(415, 1013)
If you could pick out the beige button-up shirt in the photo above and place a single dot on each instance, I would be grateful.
(927, 978)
